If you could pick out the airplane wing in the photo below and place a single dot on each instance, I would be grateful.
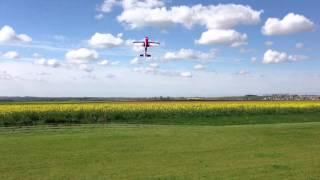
(135, 42)
(153, 42)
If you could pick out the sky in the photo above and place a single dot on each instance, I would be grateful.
(207, 48)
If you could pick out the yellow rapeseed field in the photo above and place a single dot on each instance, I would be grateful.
(86, 112)
(156, 105)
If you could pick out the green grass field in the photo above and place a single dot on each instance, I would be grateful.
(274, 151)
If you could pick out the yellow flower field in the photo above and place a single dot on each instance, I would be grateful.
(87, 112)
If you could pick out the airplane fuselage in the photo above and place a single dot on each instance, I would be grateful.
(146, 42)
(146, 45)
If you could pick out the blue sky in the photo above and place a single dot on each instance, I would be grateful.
(208, 48)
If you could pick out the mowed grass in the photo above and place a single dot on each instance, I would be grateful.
(274, 151)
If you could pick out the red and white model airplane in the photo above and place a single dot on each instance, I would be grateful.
(146, 43)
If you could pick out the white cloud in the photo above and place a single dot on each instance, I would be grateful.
(136, 61)
(36, 55)
(141, 17)
(129, 4)
(291, 23)
(81, 56)
(299, 45)
(222, 16)
(24, 38)
(185, 54)
(7, 34)
(275, 57)
(104, 62)
(48, 62)
(199, 67)
(268, 43)
(100, 40)
(222, 36)
(107, 5)
(136, 47)
(53, 63)
(225, 16)
(11, 55)
(154, 65)
(98, 16)
(146, 70)
(162, 72)
(85, 67)
(243, 72)
(271, 56)
(41, 61)
(186, 74)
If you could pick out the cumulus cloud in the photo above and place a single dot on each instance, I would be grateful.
(81, 56)
(100, 40)
(136, 47)
(36, 55)
(275, 57)
(85, 67)
(11, 55)
(106, 6)
(7, 34)
(186, 74)
(222, 36)
(242, 72)
(291, 23)
(154, 65)
(146, 70)
(136, 61)
(48, 62)
(199, 67)
(222, 16)
(129, 4)
(104, 63)
(99, 16)
(162, 72)
(185, 54)
(53, 63)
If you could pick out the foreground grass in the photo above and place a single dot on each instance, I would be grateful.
(277, 151)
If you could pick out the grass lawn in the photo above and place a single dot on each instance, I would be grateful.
(274, 151)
